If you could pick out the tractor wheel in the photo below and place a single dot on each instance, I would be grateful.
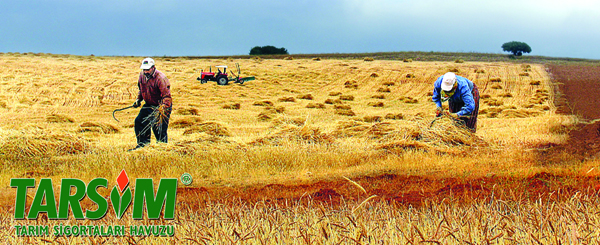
(203, 81)
(222, 80)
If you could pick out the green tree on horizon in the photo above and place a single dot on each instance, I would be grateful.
(516, 48)
(268, 50)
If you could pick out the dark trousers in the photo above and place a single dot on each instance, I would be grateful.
(469, 121)
(146, 121)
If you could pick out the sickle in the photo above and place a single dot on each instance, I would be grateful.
(120, 110)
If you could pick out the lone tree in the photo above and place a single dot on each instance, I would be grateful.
(267, 50)
(516, 48)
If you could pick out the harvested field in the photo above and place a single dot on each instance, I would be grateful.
(317, 150)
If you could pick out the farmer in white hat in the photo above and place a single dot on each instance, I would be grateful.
(155, 91)
(462, 96)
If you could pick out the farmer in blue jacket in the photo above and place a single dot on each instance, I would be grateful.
(462, 96)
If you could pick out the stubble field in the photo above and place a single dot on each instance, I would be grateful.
(312, 151)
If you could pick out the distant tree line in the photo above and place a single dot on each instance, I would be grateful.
(268, 50)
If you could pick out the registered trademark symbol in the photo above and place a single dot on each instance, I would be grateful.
(186, 179)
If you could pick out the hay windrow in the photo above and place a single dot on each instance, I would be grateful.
(185, 122)
(58, 118)
(17, 145)
(187, 111)
(232, 106)
(103, 128)
(263, 103)
(210, 128)
(316, 105)
(294, 134)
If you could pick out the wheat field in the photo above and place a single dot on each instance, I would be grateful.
(300, 122)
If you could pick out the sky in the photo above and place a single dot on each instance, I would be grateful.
(555, 28)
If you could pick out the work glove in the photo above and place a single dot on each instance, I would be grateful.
(438, 111)
(137, 103)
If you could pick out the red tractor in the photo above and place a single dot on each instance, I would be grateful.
(221, 77)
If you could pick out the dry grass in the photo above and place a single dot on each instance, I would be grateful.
(263, 142)
(104, 128)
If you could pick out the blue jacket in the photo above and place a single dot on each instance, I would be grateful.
(463, 94)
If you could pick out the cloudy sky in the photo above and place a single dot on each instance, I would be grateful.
(556, 28)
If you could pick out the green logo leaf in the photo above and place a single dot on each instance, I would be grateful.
(120, 203)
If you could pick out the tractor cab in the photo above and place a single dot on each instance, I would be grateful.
(219, 69)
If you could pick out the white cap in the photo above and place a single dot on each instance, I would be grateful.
(448, 81)
(147, 63)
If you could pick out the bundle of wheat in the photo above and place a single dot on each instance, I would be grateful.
(316, 105)
(263, 103)
(211, 128)
(186, 122)
(57, 118)
(447, 132)
(305, 97)
(344, 112)
(232, 106)
(103, 128)
(347, 97)
(332, 101)
(375, 104)
(351, 84)
(287, 99)
(398, 116)
(370, 119)
(384, 90)
(188, 111)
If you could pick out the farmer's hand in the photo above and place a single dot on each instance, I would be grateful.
(137, 103)
(438, 111)
(451, 115)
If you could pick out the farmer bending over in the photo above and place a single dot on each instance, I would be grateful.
(462, 96)
(155, 91)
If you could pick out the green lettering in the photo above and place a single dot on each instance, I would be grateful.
(166, 196)
(45, 191)
(170, 230)
(83, 230)
(92, 192)
(66, 199)
(44, 230)
(20, 200)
